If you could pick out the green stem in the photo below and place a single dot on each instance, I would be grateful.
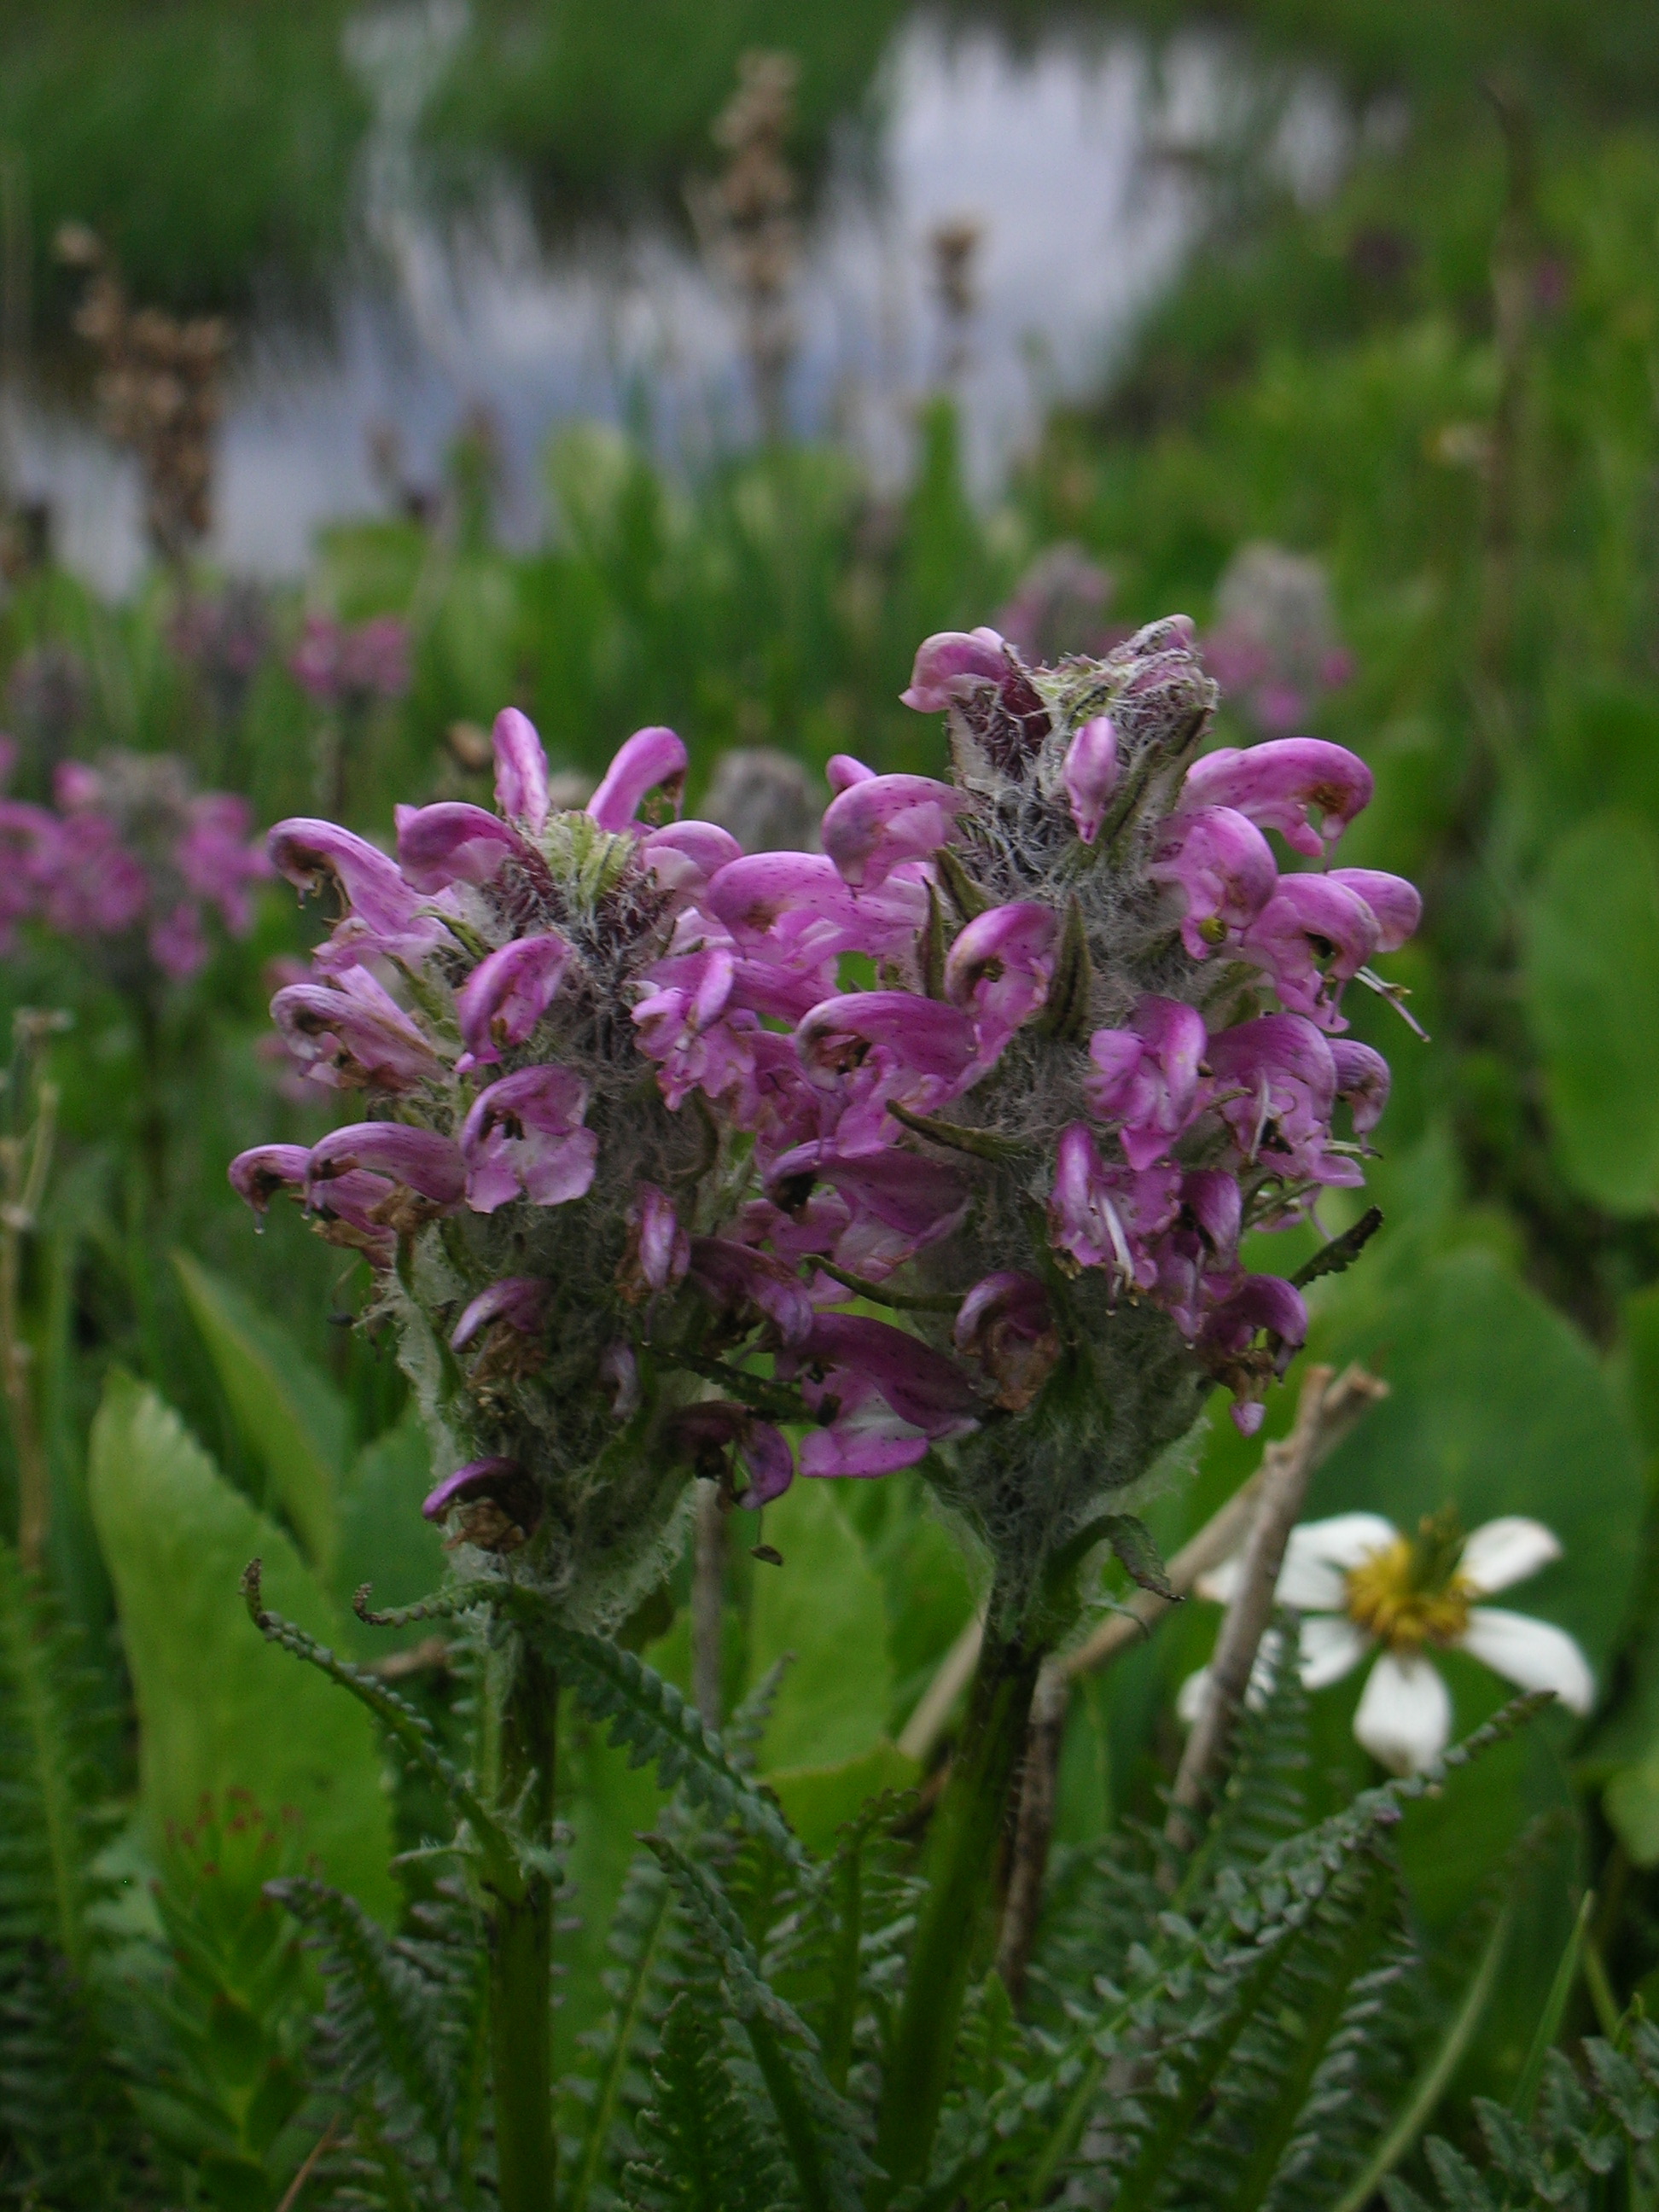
(521, 1950)
(962, 1871)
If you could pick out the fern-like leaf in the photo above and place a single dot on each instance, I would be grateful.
(704, 2151)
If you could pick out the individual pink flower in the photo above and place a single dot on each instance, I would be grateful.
(523, 1136)
(1397, 905)
(1224, 869)
(419, 1160)
(1272, 1081)
(517, 1301)
(889, 1397)
(658, 1250)
(1090, 774)
(942, 660)
(999, 967)
(875, 824)
(1313, 936)
(706, 1434)
(508, 993)
(1145, 1078)
(1102, 1216)
(454, 842)
(351, 1034)
(1007, 1325)
(1281, 784)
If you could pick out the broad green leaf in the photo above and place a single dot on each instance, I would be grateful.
(289, 1417)
(219, 1708)
(816, 1800)
(383, 1541)
(1592, 979)
(824, 1606)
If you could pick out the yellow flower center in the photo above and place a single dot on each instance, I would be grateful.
(1411, 1593)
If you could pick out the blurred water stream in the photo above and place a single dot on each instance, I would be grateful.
(1081, 163)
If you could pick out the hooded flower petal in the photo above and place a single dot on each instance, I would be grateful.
(653, 758)
(1363, 1079)
(740, 1283)
(925, 1036)
(351, 1040)
(1276, 784)
(506, 993)
(525, 1134)
(876, 823)
(256, 1176)
(520, 1301)
(1005, 1322)
(706, 1433)
(1273, 1081)
(1224, 869)
(1312, 937)
(1534, 1654)
(1090, 773)
(999, 967)
(497, 1502)
(419, 1160)
(921, 1385)
(1404, 1715)
(942, 659)
(453, 842)
(520, 770)
(1397, 905)
(1506, 1551)
(841, 770)
(685, 857)
(922, 1199)
(658, 1250)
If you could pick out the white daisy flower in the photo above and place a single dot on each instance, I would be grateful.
(1360, 1585)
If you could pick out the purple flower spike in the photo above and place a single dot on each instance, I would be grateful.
(419, 1160)
(940, 660)
(453, 842)
(1147, 1077)
(507, 994)
(734, 1277)
(1006, 1324)
(497, 1502)
(1104, 1217)
(524, 1134)
(999, 967)
(256, 1176)
(659, 1249)
(1363, 1078)
(520, 1301)
(884, 819)
(1090, 775)
(353, 1035)
(842, 772)
(520, 770)
(1312, 936)
(652, 758)
(1397, 904)
(1277, 783)
(1224, 868)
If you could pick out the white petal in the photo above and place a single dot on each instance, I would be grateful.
(1308, 1582)
(1534, 1653)
(1345, 1540)
(1404, 1714)
(1220, 1584)
(1190, 1702)
(1332, 1646)
(1506, 1551)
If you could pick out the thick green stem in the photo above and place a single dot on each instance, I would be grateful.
(521, 1950)
(962, 1861)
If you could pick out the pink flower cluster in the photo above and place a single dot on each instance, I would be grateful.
(1104, 1041)
(337, 664)
(130, 853)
